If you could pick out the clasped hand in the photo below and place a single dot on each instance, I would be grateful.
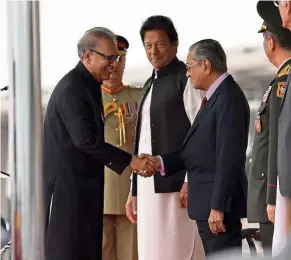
(145, 165)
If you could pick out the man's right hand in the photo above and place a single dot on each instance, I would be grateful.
(271, 212)
(131, 208)
(144, 165)
(215, 221)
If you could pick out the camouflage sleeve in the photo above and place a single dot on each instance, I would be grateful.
(275, 104)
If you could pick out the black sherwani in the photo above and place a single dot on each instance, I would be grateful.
(74, 157)
(169, 120)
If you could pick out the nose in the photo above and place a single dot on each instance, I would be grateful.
(154, 50)
(188, 74)
(113, 64)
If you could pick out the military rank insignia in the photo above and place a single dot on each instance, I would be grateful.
(285, 71)
(281, 80)
(281, 88)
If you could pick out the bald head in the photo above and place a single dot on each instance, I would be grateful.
(91, 39)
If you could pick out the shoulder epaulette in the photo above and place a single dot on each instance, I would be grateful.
(284, 71)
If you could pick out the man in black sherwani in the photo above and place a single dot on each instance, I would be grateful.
(75, 153)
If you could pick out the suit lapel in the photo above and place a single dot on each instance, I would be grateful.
(200, 116)
(228, 80)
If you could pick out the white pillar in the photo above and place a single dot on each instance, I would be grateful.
(25, 131)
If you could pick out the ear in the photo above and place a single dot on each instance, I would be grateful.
(175, 44)
(207, 67)
(271, 43)
(87, 56)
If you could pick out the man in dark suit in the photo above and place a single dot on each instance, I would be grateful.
(75, 153)
(214, 150)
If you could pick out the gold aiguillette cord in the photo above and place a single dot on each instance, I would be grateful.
(119, 114)
(122, 135)
(112, 107)
(121, 127)
(123, 130)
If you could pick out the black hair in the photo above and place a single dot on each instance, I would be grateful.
(159, 22)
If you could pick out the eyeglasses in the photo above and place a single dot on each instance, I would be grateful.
(110, 58)
(189, 66)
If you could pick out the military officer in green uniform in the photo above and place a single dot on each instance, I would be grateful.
(120, 111)
(263, 168)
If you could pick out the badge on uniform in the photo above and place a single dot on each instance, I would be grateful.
(258, 125)
(281, 89)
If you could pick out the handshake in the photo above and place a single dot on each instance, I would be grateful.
(145, 165)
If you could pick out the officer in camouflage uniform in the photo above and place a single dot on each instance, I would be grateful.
(263, 168)
(120, 110)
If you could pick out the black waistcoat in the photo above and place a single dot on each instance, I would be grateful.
(169, 121)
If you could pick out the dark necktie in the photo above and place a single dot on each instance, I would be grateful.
(204, 100)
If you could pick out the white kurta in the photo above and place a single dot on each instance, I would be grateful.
(165, 230)
(280, 233)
